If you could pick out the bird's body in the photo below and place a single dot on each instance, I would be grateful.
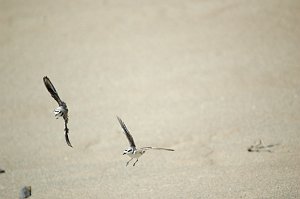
(136, 153)
(62, 110)
(132, 151)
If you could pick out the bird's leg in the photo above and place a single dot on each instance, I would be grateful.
(135, 162)
(128, 162)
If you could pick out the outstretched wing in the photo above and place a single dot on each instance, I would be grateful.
(128, 135)
(156, 148)
(66, 133)
(52, 90)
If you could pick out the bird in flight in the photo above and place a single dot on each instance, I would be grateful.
(132, 151)
(62, 110)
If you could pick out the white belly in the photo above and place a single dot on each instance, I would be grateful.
(136, 154)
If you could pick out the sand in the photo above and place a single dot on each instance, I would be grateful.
(206, 78)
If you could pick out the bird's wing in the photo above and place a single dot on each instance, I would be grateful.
(66, 133)
(127, 133)
(156, 148)
(52, 90)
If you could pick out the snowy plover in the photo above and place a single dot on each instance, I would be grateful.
(132, 151)
(62, 110)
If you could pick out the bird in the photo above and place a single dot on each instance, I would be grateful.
(62, 110)
(133, 151)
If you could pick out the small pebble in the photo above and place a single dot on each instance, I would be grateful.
(25, 192)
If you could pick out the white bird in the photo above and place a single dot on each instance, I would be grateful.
(132, 151)
(62, 110)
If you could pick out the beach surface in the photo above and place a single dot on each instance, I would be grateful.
(205, 78)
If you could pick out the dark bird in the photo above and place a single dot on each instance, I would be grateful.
(62, 110)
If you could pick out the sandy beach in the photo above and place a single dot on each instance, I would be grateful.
(205, 78)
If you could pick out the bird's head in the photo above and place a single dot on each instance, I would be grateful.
(128, 151)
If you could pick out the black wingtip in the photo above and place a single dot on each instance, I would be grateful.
(120, 121)
(122, 124)
(118, 118)
(66, 135)
(48, 84)
(45, 78)
(170, 149)
(67, 140)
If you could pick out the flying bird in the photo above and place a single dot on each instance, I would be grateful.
(133, 151)
(62, 110)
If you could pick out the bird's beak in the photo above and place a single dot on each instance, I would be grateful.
(124, 153)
